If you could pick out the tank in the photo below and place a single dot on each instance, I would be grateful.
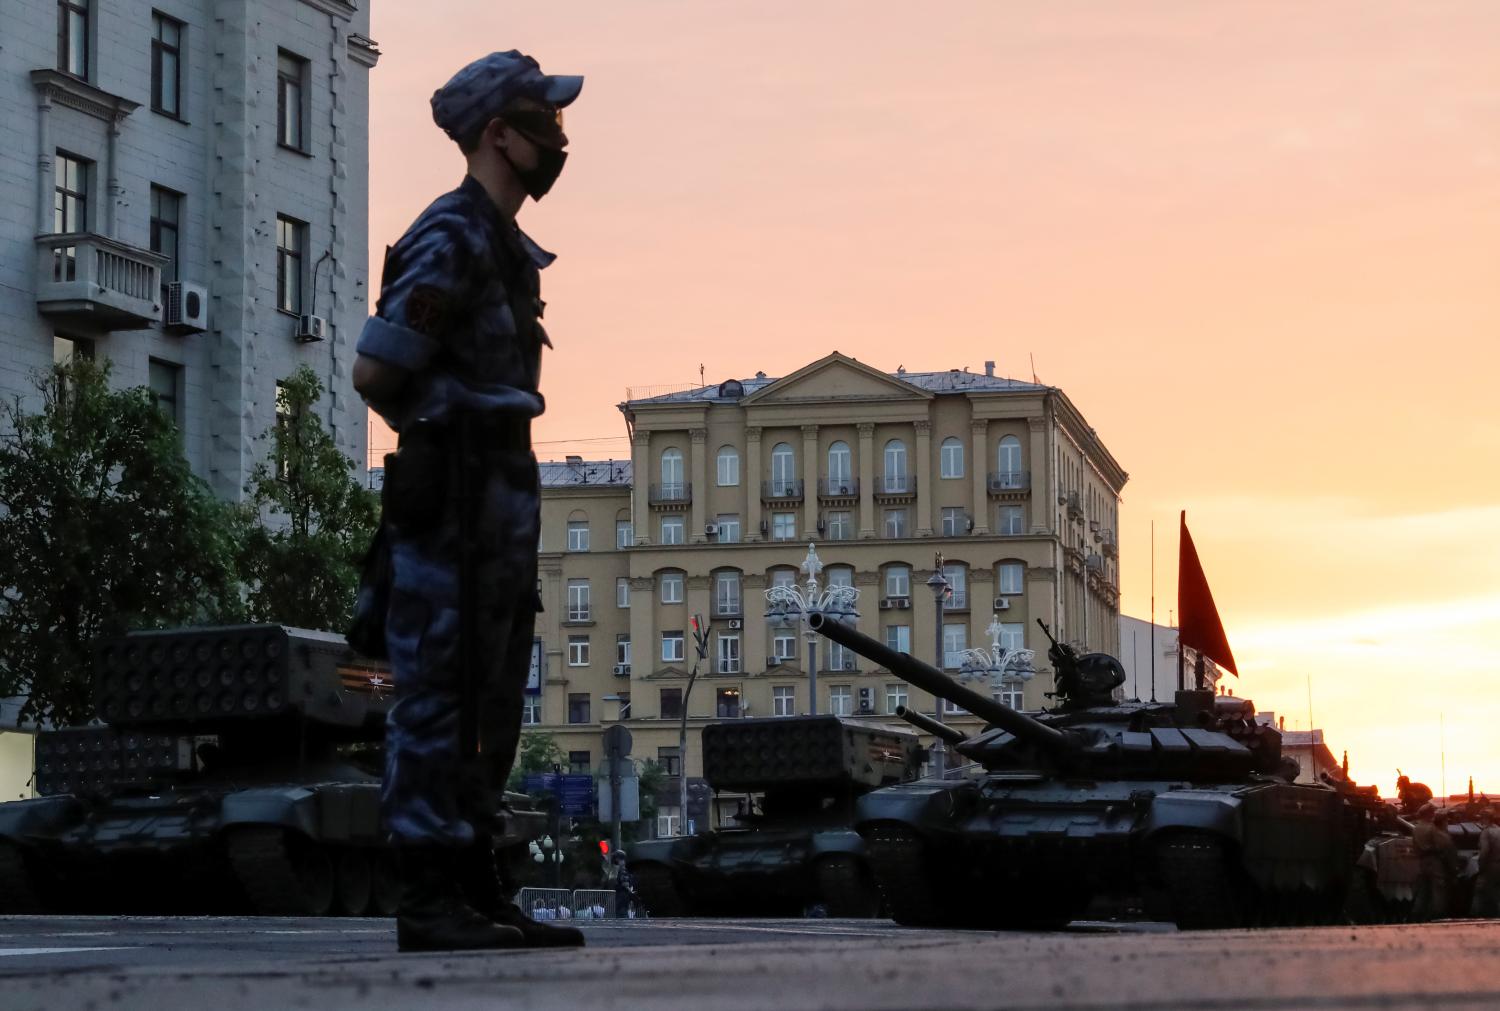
(236, 769)
(793, 845)
(1385, 882)
(1186, 807)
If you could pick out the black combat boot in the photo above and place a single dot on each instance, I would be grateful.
(485, 891)
(433, 915)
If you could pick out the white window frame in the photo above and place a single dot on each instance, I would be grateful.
(895, 476)
(671, 472)
(783, 468)
(728, 598)
(840, 659)
(729, 529)
(531, 710)
(783, 526)
(951, 459)
(957, 576)
(578, 651)
(784, 644)
(668, 822)
(624, 534)
(578, 535)
(728, 657)
(673, 529)
(1010, 579)
(622, 591)
(1008, 459)
(840, 466)
(896, 695)
(728, 467)
(898, 638)
(840, 526)
(841, 700)
(1012, 636)
(1011, 693)
(579, 605)
(898, 581)
(783, 700)
(838, 575)
(622, 648)
(895, 523)
(955, 521)
(672, 647)
(672, 585)
(955, 641)
(1003, 528)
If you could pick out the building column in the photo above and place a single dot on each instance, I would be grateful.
(810, 482)
(640, 504)
(750, 481)
(645, 650)
(979, 442)
(698, 464)
(1042, 504)
(112, 196)
(866, 480)
(46, 170)
(923, 469)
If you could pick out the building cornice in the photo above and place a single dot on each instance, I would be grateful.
(338, 8)
(363, 50)
(69, 91)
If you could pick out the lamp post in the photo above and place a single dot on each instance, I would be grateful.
(997, 665)
(938, 584)
(785, 603)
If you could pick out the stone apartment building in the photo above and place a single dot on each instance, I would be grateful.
(726, 487)
(185, 190)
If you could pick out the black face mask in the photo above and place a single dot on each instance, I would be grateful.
(549, 165)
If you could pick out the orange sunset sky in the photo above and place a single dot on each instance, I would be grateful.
(1257, 243)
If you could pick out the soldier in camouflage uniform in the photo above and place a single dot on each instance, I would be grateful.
(451, 360)
(1436, 861)
(1486, 900)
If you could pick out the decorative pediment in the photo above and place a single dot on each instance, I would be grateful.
(668, 673)
(835, 378)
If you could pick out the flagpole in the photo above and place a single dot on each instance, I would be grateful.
(1181, 674)
(1153, 610)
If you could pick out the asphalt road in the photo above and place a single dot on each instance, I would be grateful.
(226, 964)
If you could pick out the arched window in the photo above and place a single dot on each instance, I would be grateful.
(895, 479)
(957, 575)
(671, 472)
(840, 468)
(727, 595)
(783, 469)
(952, 458)
(578, 530)
(838, 575)
(729, 467)
(1009, 463)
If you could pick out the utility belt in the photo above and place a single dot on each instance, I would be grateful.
(435, 461)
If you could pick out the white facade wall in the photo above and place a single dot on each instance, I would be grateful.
(224, 157)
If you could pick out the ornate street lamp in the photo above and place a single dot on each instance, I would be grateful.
(786, 604)
(996, 665)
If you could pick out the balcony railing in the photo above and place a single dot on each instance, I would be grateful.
(838, 488)
(98, 281)
(1010, 480)
(781, 491)
(725, 607)
(671, 494)
(957, 600)
(892, 485)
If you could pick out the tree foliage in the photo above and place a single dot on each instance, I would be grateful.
(308, 520)
(538, 752)
(105, 530)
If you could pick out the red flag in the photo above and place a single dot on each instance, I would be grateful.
(1199, 627)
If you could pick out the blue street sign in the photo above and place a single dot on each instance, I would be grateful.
(574, 792)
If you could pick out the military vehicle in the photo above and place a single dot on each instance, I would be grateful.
(238, 768)
(1385, 882)
(1186, 805)
(797, 848)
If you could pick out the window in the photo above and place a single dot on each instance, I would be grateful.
(895, 466)
(729, 529)
(895, 697)
(291, 87)
(166, 65)
(1011, 521)
(622, 591)
(729, 653)
(729, 467)
(670, 760)
(166, 217)
(957, 576)
(671, 587)
(840, 700)
(578, 535)
(1010, 578)
(671, 474)
(783, 470)
(578, 652)
(840, 469)
(1012, 636)
(624, 534)
(65, 349)
(1010, 693)
(727, 703)
(531, 710)
(955, 641)
(898, 638)
(671, 646)
(1009, 459)
(165, 381)
(783, 577)
(673, 529)
(671, 703)
(624, 698)
(578, 600)
(73, 37)
(291, 241)
(838, 575)
(895, 522)
(784, 701)
(70, 211)
(951, 458)
(579, 761)
(897, 581)
(783, 526)
(783, 644)
(839, 526)
(668, 822)
(727, 593)
(955, 521)
(579, 707)
(841, 658)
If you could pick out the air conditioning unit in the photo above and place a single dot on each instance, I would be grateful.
(311, 328)
(187, 308)
(866, 701)
(711, 530)
(1002, 603)
(735, 624)
(895, 603)
(1095, 563)
(622, 670)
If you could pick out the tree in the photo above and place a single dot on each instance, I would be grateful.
(539, 752)
(105, 530)
(308, 521)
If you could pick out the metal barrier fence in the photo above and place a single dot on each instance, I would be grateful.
(594, 903)
(563, 904)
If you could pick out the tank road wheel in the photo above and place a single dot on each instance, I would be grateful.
(353, 881)
(20, 891)
(385, 883)
(282, 873)
(658, 891)
(899, 858)
(845, 886)
(1200, 881)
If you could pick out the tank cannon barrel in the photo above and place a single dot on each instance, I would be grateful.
(931, 726)
(930, 679)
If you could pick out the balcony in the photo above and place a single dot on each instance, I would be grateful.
(97, 282)
(895, 488)
(956, 600)
(780, 491)
(671, 494)
(1009, 483)
(839, 491)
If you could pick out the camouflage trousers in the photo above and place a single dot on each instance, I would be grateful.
(1486, 902)
(1430, 894)
(433, 793)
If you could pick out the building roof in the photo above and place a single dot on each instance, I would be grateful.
(951, 381)
(577, 472)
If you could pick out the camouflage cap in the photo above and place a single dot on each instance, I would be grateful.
(476, 94)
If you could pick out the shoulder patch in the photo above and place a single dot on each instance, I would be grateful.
(426, 307)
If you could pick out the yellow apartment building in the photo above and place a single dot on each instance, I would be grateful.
(726, 487)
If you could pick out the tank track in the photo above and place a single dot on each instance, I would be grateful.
(845, 887)
(654, 885)
(17, 891)
(899, 858)
(1200, 882)
(263, 865)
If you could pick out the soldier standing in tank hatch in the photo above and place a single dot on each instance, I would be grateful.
(1487, 883)
(452, 360)
(1436, 860)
